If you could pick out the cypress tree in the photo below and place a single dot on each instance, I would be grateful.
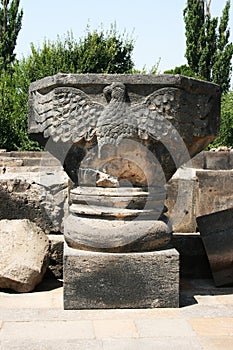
(10, 25)
(208, 50)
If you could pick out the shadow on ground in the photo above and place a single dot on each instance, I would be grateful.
(189, 288)
(49, 283)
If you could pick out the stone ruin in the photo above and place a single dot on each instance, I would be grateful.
(120, 138)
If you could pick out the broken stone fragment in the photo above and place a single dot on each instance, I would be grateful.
(24, 250)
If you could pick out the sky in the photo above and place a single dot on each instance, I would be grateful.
(156, 25)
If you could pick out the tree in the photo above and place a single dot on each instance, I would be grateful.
(225, 137)
(208, 50)
(183, 70)
(108, 52)
(97, 52)
(10, 25)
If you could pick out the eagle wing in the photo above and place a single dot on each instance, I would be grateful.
(66, 114)
(173, 114)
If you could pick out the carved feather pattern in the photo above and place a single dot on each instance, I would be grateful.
(68, 114)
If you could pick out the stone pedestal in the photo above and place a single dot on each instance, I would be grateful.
(94, 280)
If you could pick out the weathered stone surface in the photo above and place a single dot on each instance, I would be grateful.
(217, 233)
(181, 200)
(112, 280)
(116, 219)
(217, 160)
(201, 192)
(108, 129)
(24, 255)
(41, 199)
(214, 192)
(98, 234)
(193, 258)
(145, 108)
(56, 255)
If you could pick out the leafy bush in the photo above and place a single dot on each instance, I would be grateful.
(97, 52)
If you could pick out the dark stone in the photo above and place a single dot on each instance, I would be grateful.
(176, 104)
(126, 236)
(194, 262)
(217, 160)
(126, 280)
(56, 255)
(122, 128)
(217, 234)
(214, 191)
(198, 162)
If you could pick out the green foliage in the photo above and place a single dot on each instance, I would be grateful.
(225, 137)
(222, 60)
(153, 70)
(208, 50)
(97, 52)
(105, 52)
(13, 128)
(182, 70)
(13, 106)
(10, 25)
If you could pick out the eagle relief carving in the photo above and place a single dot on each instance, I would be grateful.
(134, 130)
(67, 114)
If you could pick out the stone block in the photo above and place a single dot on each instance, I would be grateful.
(214, 192)
(94, 280)
(181, 198)
(24, 251)
(217, 234)
(193, 258)
(41, 201)
(217, 160)
(198, 162)
(231, 159)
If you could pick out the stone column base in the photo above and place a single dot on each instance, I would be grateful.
(95, 280)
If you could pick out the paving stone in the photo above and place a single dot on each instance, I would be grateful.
(122, 314)
(164, 328)
(50, 330)
(160, 343)
(220, 343)
(212, 327)
(44, 300)
(44, 344)
(206, 325)
(214, 300)
(201, 310)
(115, 329)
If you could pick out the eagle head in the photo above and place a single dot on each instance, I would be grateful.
(115, 91)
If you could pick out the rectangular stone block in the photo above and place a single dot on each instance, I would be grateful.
(216, 230)
(217, 160)
(214, 192)
(95, 280)
(181, 199)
